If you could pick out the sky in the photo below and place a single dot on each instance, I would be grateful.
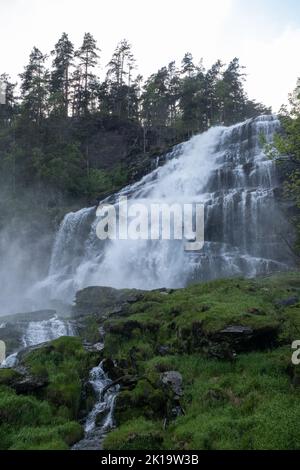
(264, 34)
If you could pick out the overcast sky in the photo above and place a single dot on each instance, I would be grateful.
(264, 34)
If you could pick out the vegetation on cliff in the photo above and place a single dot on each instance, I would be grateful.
(80, 137)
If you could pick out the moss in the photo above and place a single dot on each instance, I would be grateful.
(248, 402)
(47, 438)
(19, 410)
(66, 365)
(28, 423)
(7, 376)
(46, 420)
(138, 434)
(245, 401)
(90, 329)
(145, 399)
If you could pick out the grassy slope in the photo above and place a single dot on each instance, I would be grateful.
(248, 402)
(47, 419)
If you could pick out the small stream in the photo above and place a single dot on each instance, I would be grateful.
(100, 420)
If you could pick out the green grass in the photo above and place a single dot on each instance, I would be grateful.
(138, 434)
(247, 403)
(46, 420)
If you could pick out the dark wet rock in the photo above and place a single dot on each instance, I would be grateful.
(108, 366)
(172, 380)
(221, 351)
(128, 381)
(21, 380)
(225, 343)
(237, 330)
(103, 300)
(163, 350)
(93, 348)
(164, 290)
(100, 417)
(112, 369)
(132, 299)
(29, 384)
(243, 338)
(176, 411)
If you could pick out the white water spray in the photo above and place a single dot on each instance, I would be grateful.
(226, 170)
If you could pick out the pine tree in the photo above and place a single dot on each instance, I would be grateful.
(60, 76)
(232, 93)
(88, 59)
(76, 92)
(34, 87)
(213, 78)
(192, 102)
(187, 65)
(156, 100)
(120, 79)
(173, 85)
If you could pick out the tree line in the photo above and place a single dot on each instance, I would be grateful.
(188, 96)
(167, 107)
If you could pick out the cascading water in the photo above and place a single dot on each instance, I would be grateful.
(100, 419)
(226, 170)
(38, 332)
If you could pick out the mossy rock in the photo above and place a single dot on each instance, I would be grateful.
(144, 399)
(8, 376)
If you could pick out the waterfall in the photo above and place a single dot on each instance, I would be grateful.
(225, 169)
(38, 332)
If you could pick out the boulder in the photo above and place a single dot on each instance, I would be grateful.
(239, 338)
(173, 381)
(102, 301)
(29, 384)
